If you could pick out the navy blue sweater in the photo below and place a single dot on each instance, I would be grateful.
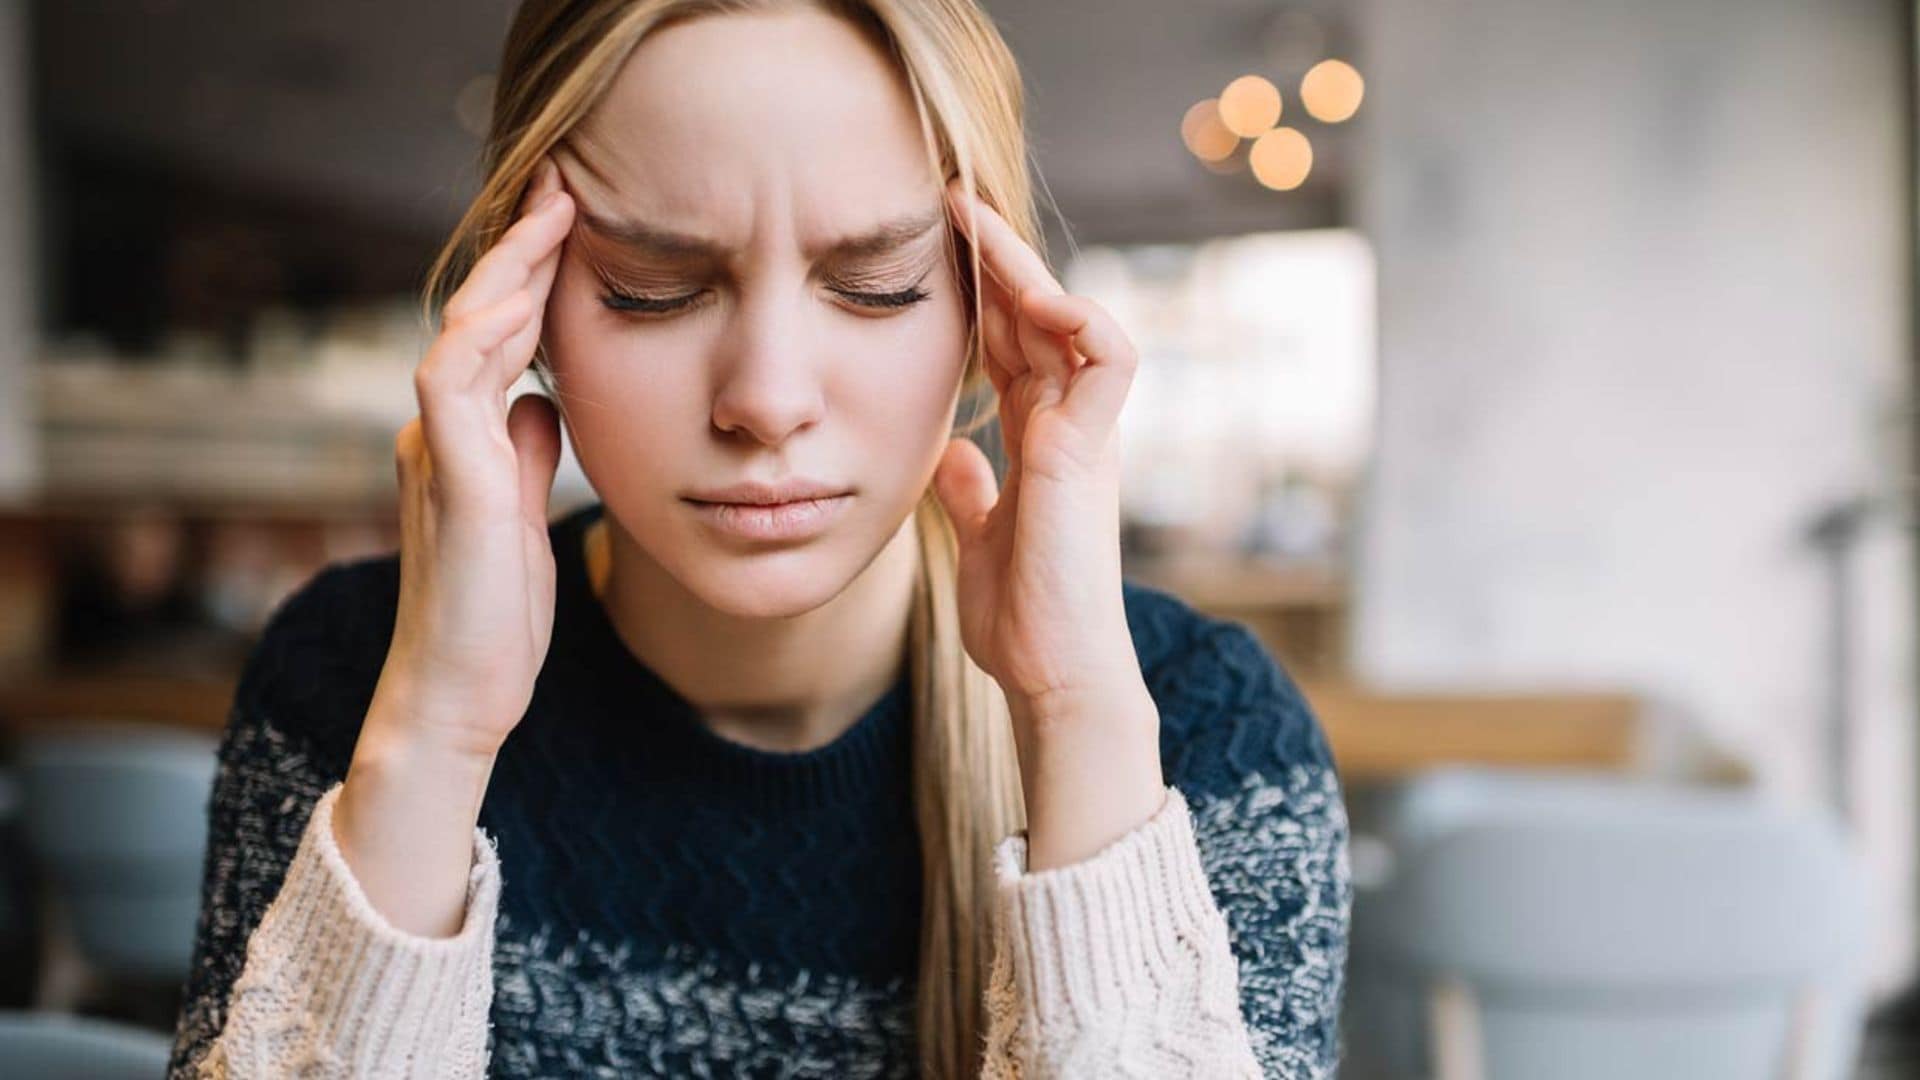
(678, 904)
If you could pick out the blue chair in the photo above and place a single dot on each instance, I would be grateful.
(52, 1046)
(117, 815)
(1573, 926)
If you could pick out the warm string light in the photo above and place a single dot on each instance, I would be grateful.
(1249, 109)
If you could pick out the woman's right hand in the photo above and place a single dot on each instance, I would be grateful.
(476, 569)
(475, 612)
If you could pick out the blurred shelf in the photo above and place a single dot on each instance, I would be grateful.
(72, 507)
(207, 432)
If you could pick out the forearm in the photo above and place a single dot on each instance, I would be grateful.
(407, 812)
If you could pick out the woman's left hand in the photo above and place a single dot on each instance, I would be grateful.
(1039, 577)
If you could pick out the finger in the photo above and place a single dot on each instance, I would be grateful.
(545, 180)
(463, 344)
(1004, 255)
(964, 484)
(508, 264)
(1019, 270)
(409, 454)
(452, 414)
(1006, 368)
(517, 354)
(1099, 388)
(534, 428)
(996, 333)
(1048, 353)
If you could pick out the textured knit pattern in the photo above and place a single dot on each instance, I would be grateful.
(674, 904)
(1118, 965)
(330, 988)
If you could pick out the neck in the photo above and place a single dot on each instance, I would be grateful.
(786, 684)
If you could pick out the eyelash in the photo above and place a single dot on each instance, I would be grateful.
(631, 304)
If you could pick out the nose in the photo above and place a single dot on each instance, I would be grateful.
(767, 387)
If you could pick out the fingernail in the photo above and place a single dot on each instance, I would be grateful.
(547, 201)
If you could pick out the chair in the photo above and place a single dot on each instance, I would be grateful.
(1575, 926)
(53, 1046)
(19, 913)
(117, 814)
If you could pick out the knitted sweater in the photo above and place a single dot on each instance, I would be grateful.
(651, 898)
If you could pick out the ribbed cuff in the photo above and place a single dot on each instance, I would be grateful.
(362, 993)
(1114, 929)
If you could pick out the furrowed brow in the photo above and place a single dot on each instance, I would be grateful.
(646, 238)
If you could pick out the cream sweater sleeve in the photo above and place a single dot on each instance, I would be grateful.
(1117, 965)
(331, 989)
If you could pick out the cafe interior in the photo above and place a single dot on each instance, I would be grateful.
(1534, 377)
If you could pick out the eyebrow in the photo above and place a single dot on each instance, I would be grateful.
(650, 239)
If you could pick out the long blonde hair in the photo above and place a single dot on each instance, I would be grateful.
(560, 56)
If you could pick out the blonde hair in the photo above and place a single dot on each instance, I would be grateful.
(560, 56)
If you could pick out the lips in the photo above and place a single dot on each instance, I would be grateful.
(754, 493)
(792, 520)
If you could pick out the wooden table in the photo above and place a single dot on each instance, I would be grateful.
(1382, 736)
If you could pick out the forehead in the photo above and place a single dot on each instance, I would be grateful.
(738, 127)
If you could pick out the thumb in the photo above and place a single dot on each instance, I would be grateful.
(534, 428)
(964, 484)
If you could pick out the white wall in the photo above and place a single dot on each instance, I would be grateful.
(1643, 295)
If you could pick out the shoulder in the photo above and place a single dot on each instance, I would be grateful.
(1241, 743)
(310, 673)
(1229, 711)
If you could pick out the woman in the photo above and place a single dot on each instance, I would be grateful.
(896, 777)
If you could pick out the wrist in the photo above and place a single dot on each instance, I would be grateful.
(1120, 706)
(389, 758)
(1089, 768)
(407, 719)
(408, 767)
(404, 820)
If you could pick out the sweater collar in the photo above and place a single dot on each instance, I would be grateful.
(872, 754)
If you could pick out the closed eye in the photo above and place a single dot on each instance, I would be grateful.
(620, 300)
(633, 303)
(906, 297)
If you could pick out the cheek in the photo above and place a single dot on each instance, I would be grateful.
(905, 381)
(620, 407)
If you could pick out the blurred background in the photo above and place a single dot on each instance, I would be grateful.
(1535, 376)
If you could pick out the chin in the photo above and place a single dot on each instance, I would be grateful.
(767, 584)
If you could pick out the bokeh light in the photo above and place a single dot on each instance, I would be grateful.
(1331, 91)
(1204, 133)
(1249, 105)
(1281, 159)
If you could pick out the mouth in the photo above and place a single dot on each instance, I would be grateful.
(791, 519)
